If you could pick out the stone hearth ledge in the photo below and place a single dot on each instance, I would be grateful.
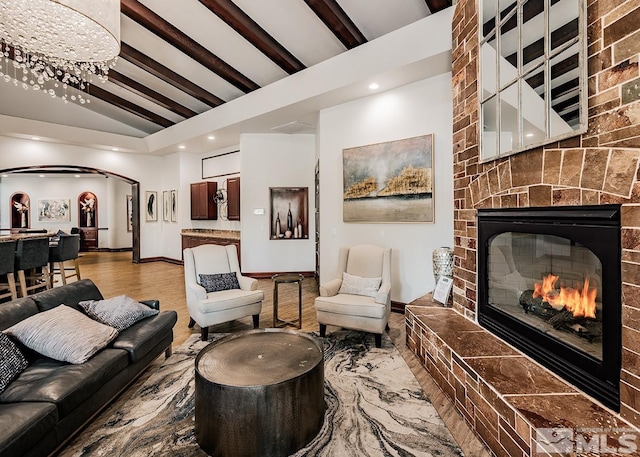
(504, 395)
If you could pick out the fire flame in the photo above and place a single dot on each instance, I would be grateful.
(582, 303)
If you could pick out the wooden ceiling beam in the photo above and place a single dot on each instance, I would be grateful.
(167, 75)
(106, 96)
(239, 21)
(175, 37)
(95, 91)
(438, 5)
(334, 17)
(150, 94)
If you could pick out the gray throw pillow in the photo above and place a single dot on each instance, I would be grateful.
(12, 361)
(119, 312)
(219, 281)
(63, 333)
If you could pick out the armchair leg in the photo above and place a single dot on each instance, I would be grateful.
(204, 333)
(387, 328)
(378, 337)
(323, 330)
(168, 352)
(256, 320)
(191, 322)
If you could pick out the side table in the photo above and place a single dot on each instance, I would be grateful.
(259, 393)
(283, 279)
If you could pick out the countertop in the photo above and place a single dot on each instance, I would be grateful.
(212, 233)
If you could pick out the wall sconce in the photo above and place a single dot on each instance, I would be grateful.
(220, 197)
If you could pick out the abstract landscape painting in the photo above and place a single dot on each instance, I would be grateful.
(389, 182)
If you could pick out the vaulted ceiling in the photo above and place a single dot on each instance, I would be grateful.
(182, 58)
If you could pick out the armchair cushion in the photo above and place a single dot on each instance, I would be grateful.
(219, 281)
(357, 285)
(351, 305)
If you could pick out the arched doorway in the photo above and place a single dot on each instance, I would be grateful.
(72, 170)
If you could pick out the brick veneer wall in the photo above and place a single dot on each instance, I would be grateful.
(598, 167)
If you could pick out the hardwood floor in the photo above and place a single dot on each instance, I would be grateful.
(115, 274)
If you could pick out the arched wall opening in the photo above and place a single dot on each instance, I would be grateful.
(74, 169)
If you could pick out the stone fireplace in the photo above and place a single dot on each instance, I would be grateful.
(597, 168)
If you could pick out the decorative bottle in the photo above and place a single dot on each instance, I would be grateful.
(299, 228)
(289, 219)
(278, 225)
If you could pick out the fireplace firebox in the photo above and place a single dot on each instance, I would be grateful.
(549, 284)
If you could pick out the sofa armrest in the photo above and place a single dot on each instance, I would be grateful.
(155, 304)
(247, 283)
(331, 288)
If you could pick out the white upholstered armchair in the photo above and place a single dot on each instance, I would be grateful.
(363, 302)
(227, 299)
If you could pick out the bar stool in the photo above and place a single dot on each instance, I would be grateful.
(67, 248)
(33, 254)
(7, 259)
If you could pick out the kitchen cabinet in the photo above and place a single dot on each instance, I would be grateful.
(233, 199)
(203, 207)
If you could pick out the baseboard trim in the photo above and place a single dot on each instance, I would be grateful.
(161, 259)
(397, 307)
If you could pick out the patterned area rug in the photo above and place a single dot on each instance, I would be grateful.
(374, 407)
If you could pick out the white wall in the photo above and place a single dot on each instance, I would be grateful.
(274, 160)
(146, 169)
(416, 109)
(111, 204)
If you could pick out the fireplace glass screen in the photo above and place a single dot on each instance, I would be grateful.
(550, 283)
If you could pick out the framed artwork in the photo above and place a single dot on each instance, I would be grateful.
(54, 210)
(389, 182)
(151, 206)
(165, 206)
(289, 213)
(174, 206)
(129, 213)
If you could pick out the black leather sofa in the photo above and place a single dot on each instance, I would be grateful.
(49, 402)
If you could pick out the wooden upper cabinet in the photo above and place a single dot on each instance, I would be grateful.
(202, 204)
(233, 199)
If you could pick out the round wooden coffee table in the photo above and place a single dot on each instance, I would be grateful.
(259, 393)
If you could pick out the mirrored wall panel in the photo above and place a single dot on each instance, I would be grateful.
(533, 73)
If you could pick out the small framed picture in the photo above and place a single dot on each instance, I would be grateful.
(443, 290)
(165, 206)
(151, 206)
(173, 206)
(129, 213)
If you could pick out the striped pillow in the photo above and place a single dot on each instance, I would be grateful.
(119, 312)
(64, 334)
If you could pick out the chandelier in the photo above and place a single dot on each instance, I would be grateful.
(49, 45)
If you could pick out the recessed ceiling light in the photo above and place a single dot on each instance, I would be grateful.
(529, 135)
(36, 138)
(5, 176)
(114, 149)
(211, 137)
(182, 146)
(76, 176)
(42, 176)
(374, 86)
